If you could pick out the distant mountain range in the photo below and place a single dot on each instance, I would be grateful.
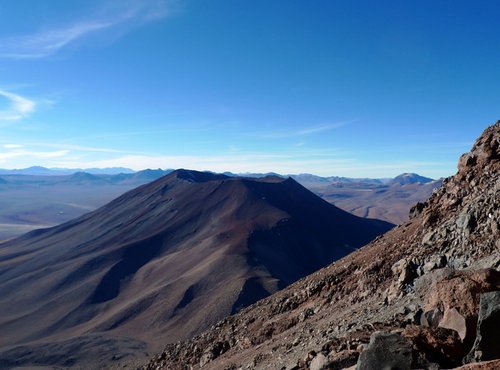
(37, 197)
(166, 259)
(43, 171)
(304, 178)
(390, 199)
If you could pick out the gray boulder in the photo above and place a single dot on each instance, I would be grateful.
(487, 344)
(386, 351)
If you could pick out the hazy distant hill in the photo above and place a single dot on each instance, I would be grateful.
(189, 245)
(410, 178)
(390, 200)
(42, 171)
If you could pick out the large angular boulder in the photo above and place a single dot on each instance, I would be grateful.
(451, 299)
(487, 344)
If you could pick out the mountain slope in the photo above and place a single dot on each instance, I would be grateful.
(162, 262)
(422, 281)
(389, 201)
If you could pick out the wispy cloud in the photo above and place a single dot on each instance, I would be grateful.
(79, 148)
(6, 157)
(18, 107)
(321, 128)
(49, 41)
(311, 130)
(12, 146)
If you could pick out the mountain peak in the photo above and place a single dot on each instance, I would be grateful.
(197, 176)
(410, 178)
(484, 155)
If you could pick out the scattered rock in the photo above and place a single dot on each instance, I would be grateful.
(466, 222)
(385, 351)
(318, 362)
(416, 210)
(434, 263)
(431, 318)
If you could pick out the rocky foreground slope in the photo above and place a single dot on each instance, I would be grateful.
(424, 295)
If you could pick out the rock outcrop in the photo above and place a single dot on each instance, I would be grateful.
(424, 281)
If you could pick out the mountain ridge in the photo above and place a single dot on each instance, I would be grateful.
(190, 244)
(60, 171)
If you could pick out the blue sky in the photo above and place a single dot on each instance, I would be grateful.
(330, 87)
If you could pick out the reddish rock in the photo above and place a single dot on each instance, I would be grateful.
(435, 345)
(453, 320)
(342, 359)
(462, 289)
(457, 296)
(486, 365)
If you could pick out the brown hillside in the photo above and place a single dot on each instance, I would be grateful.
(161, 263)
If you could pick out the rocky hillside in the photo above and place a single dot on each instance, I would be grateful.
(424, 295)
